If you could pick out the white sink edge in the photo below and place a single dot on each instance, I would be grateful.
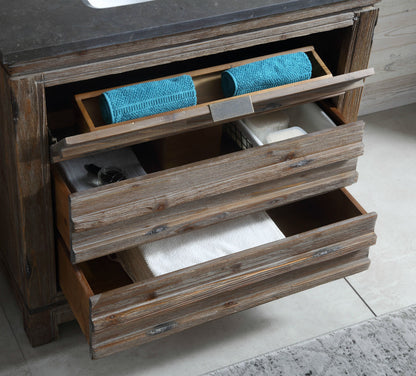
(101, 4)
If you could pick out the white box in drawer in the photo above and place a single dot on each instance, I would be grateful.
(255, 131)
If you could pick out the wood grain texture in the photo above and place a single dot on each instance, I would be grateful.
(207, 84)
(208, 47)
(188, 217)
(9, 220)
(298, 246)
(124, 215)
(26, 221)
(141, 130)
(135, 55)
(87, 57)
(76, 289)
(164, 189)
(134, 264)
(62, 193)
(394, 58)
(357, 56)
(159, 306)
(182, 314)
(242, 299)
(33, 190)
(27, 247)
(391, 93)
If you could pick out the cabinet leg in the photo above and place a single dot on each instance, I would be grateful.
(41, 327)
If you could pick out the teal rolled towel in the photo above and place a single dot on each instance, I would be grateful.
(265, 74)
(147, 98)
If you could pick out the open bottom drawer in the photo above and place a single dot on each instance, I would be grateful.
(327, 237)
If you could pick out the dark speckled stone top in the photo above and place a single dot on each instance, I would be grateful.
(33, 29)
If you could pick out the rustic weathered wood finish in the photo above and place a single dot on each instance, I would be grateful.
(108, 219)
(207, 84)
(141, 130)
(159, 306)
(278, 179)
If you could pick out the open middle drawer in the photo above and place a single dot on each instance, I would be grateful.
(121, 215)
(327, 237)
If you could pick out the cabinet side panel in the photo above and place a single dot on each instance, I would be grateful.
(356, 56)
(9, 217)
(31, 174)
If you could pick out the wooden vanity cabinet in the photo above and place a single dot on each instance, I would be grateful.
(50, 263)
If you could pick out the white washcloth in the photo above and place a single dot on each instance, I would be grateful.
(125, 159)
(284, 134)
(167, 255)
(262, 125)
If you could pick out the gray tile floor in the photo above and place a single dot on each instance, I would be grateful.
(387, 185)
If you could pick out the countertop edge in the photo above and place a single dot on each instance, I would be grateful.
(29, 55)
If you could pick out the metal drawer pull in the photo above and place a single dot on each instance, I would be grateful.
(231, 109)
(162, 328)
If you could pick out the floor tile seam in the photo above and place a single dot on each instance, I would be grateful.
(16, 340)
(361, 297)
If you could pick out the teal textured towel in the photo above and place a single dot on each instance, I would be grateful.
(265, 74)
(147, 98)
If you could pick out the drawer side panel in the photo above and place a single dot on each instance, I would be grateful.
(75, 288)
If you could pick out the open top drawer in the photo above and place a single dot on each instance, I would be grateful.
(139, 210)
(327, 237)
(212, 108)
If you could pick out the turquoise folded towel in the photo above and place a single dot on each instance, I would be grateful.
(147, 98)
(265, 74)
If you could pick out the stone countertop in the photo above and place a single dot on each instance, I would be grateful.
(37, 29)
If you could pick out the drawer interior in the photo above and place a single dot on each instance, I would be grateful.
(192, 183)
(106, 273)
(207, 85)
(196, 146)
(63, 118)
(212, 108)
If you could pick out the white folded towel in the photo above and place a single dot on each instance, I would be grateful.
(124, 159)
(174, 253)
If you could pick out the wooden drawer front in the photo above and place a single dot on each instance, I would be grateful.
(104, 220)
(327, 238)
(212, 108)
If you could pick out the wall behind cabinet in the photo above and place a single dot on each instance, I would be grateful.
(394, 58)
